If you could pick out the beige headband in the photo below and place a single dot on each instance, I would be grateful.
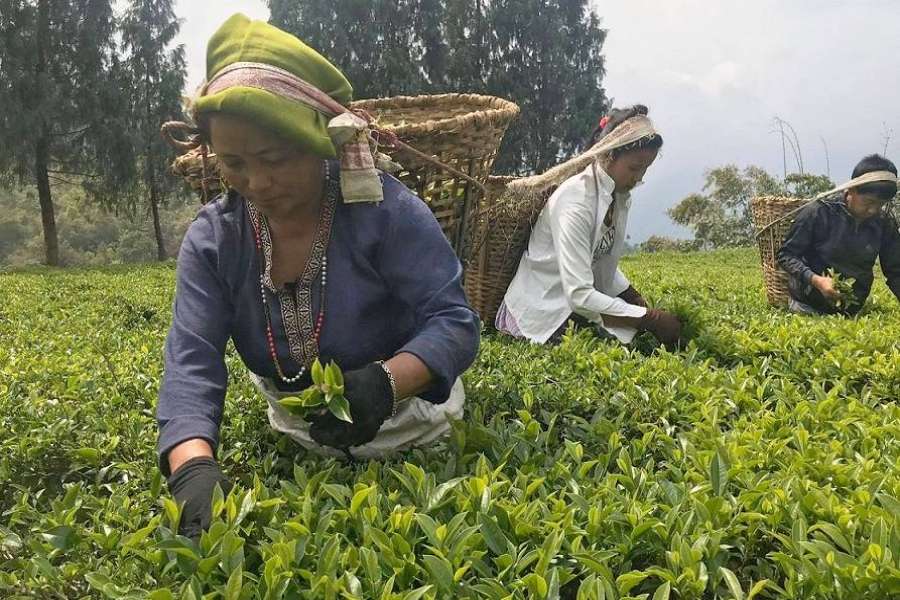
(861, 180)
(630, 131)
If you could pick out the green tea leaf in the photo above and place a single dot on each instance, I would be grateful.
(718, 473)
(627, 581)
(317, 373)
(662, 592)
(734, 586)
(492, 534)
(441, 571)
(758, 587)
(340, 408)
(360, 497)
(234, 585)
(417, 593)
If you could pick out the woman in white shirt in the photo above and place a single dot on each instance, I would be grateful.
(570, 267)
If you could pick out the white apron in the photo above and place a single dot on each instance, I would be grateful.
(417, 422)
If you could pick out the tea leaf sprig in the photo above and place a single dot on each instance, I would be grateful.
(326, 392)
(844, 286)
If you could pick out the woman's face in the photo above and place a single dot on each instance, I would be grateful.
(277, 177)
(628, 169)
(864, 206)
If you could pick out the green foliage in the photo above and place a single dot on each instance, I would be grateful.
(659, 243)
(326, 392)
(757, 462)
(805, 185)
(721, 218)
(157, 73)
(545, 56)
(88, 234)
(844, 287)
(60, 89)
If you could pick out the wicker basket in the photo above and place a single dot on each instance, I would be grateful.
(772, 220)
(189, 166)
(462, 131)
(500, 235)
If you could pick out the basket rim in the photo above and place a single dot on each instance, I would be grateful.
(791, 205)
(492, 108)
(770, 199)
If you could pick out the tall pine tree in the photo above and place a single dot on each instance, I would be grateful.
(63, 117)
(157, 72)
(545, 55)
(547, 58)
(374, 42)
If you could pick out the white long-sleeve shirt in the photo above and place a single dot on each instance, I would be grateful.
(571, 262)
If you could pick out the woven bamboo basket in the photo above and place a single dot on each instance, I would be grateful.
(206, 183)
(462, 131)
(500, 233)
(772, 218)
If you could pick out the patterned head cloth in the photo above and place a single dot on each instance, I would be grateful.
(256, 71)
(631, 130)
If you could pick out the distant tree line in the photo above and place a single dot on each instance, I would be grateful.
(85, 84)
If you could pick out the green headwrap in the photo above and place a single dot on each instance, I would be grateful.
(241, 40)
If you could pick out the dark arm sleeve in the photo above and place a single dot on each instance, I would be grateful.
(799, 239)
(192, 393)
(422, 270)
(889, 255)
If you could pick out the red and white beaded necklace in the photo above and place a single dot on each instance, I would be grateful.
(320, 318)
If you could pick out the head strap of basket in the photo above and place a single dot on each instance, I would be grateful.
(631, 130)
(260, 72)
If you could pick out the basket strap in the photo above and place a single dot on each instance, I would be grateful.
(391, 139)
(169, 129)
(786, 215)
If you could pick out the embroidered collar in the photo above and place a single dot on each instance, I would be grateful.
(296, 300)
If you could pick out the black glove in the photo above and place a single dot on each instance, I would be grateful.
(193, 485)
(664, 325)
(631, 296)
(371, 399)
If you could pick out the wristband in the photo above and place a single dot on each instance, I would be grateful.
(390, 376)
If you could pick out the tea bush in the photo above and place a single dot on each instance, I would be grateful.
(760, 460)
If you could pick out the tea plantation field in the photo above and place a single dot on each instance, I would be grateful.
(761, 461)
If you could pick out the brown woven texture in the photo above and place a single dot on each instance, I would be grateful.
(189, 166)
(463, 131)
(500, 233)
(774, 211)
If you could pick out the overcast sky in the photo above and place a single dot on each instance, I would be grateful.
(715, 73)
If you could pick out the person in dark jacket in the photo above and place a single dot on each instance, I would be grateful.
(844, 233)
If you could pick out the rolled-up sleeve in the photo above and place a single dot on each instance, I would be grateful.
(571, 225)
(192, 393)
(423, 272)
(798, 241)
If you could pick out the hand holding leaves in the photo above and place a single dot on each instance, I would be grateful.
(326, 392)
(837, 289)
